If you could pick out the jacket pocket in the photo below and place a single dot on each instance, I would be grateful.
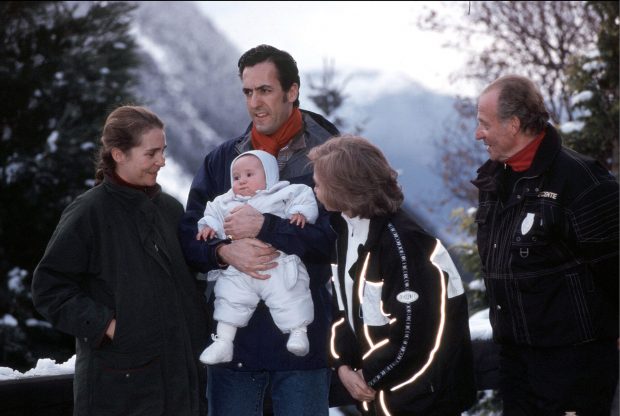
(534, 242)
(557, 308)
(483, 222)
(123, 387)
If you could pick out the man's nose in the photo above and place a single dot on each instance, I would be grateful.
(254, 100)
(478, 134)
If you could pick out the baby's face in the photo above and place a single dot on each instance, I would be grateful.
(248, 176)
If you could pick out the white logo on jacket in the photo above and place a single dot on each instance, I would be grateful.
(547, 194)
(407, 296)
(527, 223)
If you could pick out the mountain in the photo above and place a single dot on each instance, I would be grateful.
(405, 120)
(189, 77)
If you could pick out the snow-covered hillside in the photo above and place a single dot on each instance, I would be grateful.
(189, 77)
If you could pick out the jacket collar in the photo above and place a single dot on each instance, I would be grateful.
(377, 225)
(130, 192)
(489, 173)
(315, 126)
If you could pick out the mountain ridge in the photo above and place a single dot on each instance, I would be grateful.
(189, 77)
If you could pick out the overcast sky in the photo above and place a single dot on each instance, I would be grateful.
(362, 35)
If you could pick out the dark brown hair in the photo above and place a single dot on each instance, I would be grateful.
(519, 97)
(356, 177)
(288, 74)
(123, 130)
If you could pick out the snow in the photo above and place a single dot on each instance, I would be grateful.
(44, 367)
(480, 326)
(11, 170)
(87, 146)
(593, 66)
(31, 322)
(51, 141)
(153, 49)
(16, 279)
(571, 126)
(581, 97)
(477, 284)
(8, 320)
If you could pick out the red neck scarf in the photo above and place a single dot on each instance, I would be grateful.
(524, 158)
(274, 142)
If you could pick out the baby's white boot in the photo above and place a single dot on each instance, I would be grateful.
(298, 342)
(221, 351)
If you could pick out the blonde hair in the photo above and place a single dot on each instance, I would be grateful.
(356, 177)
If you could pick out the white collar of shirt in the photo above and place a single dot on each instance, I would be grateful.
(357, 234)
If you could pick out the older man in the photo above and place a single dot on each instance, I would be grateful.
(548, 240)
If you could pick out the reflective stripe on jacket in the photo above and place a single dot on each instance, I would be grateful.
(409, 332)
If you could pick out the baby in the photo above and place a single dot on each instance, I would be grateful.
(255, 181)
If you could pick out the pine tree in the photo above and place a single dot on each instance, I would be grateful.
(329, 96)
(593, 79)
(63, 67)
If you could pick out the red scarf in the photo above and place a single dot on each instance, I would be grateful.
(524, 158)
(274, 142)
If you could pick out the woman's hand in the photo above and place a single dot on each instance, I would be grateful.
(354, 382)
(111, 329)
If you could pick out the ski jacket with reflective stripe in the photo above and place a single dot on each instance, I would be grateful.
(409, 331)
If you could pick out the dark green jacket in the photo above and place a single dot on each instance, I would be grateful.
(115, 254)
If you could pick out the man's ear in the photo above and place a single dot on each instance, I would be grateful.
(515, 125)
(117, 154)
(293, 93)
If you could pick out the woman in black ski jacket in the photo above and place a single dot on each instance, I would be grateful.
(400, 337)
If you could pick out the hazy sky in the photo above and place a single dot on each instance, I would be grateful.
(361, 35)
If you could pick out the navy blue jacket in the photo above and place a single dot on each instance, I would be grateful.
(261, 345)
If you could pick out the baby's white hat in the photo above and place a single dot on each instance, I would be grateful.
(270, 166)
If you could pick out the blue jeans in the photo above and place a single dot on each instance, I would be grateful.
(293, 393)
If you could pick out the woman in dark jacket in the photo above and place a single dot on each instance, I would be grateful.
(113, 275)
(400, 336)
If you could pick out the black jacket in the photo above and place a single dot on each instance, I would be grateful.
(419, 358)
(261, 345)
(115, 254)
(548, 241)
